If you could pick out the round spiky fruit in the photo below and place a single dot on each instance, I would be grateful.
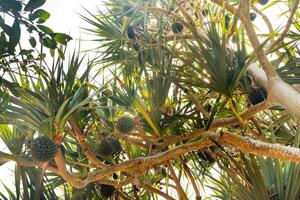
(42, 149)
(263, 2)
(125, 124)
(257, 95)
(130, 32)
(177, 27)
(107, 190)
(105, 149)
(252, 16)
(116, 145)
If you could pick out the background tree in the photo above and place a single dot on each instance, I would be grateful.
(182, 96)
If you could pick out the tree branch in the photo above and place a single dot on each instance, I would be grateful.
(141, 164)
(157, 191)
(259, 148)
(215, 124)
(85, 147)
(191, 177)
(180, 191)
(279, 92)
(267, 21)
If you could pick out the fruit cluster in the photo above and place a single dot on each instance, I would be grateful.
(42, 149)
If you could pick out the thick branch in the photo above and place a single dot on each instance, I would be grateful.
(260, 53)
(256, 147)
(279, 92)
(142, 164)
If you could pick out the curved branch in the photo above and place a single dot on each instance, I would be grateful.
(267, 21)
(140, 165)
(257, 147)
(179, 189)
(131, 140)
(85, 147)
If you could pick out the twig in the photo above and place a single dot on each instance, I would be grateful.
(179, 189)
(267, 21)
(194, 100)
(157, 191)
(215, 124)
(131, 140)
(190, 175)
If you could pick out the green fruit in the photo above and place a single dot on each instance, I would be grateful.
(263, 2)
(42, 149)
(125, 124)
(105, 149)
(130, 32)
(252, 16)
(227, 21)
(116, 146)
(177, 27)
(257, 95)
(107, 190)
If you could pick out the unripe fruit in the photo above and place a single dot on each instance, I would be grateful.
(130, 32)
(257, 95)
(42, 149)
(263, 2)
(117, 147)
(227, 21)
(252, 16)
(125, 124)
(105, 149)
(177, 27)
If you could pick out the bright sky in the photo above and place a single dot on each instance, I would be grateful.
(64, 18)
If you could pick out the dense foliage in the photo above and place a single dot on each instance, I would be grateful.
(182, 98)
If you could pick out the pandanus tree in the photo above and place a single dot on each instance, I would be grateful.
(184, 100)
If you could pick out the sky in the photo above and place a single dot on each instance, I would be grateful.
(64, 18)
